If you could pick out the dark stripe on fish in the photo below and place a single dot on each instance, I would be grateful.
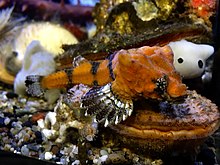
(95, 83)
(95, 66)
(69, 73)
(110, 66)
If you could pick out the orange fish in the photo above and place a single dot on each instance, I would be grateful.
(125, 76)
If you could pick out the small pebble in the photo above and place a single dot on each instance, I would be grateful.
(35, 128)
(12, 149)
(103, 158)
(103, 152)
(33, 147)
(64, 160)
(7, 121)
(2, 121)
(7, 147)
(55, 149)
(76, 162)
(135, 159)
(11, 95)
(42, 156)
(17, 125)
(26, 137)
(89, 137)
(24, 150)
(33, 154)
(50, 118)
(27, 124)
(75, 149)
(95, 161)
(40, 123)
(115, 158)
(37, 116)
(48, 155)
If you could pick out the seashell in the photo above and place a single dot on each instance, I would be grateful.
(168, 128)
(51, 37)
(7, 32)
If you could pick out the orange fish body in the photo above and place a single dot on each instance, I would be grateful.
(128, 74)
(88, 73)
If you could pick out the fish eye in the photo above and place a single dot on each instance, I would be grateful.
(200, 64)
(180, 60)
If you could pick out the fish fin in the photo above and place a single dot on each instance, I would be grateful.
(33, 84)
(105, 106)
(78, 60)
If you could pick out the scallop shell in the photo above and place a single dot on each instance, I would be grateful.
(173, 128)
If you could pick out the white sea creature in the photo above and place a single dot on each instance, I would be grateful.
(37, 61)
(51, 37)
(15, 36)
(190, 58)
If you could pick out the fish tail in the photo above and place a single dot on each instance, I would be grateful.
(33, 84)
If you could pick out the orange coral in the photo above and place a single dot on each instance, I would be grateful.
(203, 8)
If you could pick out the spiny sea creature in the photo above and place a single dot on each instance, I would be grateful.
(125, 76)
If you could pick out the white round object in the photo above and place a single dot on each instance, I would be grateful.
(190, 58)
